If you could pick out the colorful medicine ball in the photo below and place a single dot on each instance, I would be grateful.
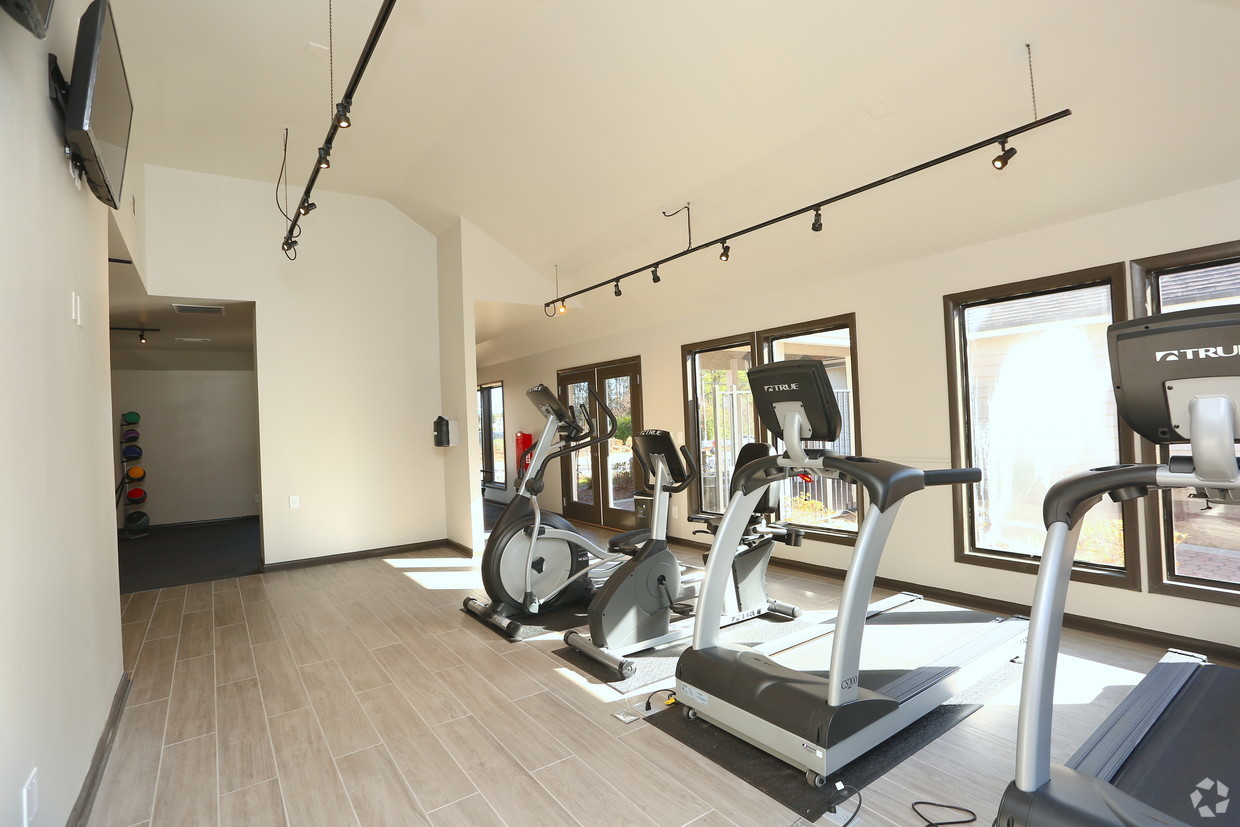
(137, 520)
(135, 496)
(130, 418)
(135, 473)
(129, 435)
(131, 452)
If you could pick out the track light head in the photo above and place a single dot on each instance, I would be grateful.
(288, 244)
(726, 252)
(342, 116)
(654, 274)
(817, 225)
(324, 161)
(142, 337)
(562, 309)
(1001, 160)
(617, 291)
(307, 207)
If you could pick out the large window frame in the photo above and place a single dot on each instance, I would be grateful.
(760, 345)
(486, 437)
(1111, 276)
(766, 340)
(693, 435)
(1160, 563)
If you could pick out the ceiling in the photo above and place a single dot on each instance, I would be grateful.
(230, 332)
(562, 128)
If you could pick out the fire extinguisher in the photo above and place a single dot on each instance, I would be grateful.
(524, 443)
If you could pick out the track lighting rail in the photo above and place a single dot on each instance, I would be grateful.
(340, 119)
(1002, 138)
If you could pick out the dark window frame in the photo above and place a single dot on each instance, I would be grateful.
(488, 456)
(689, 378)
(1160, 565)
(765, 340)
(954, 305)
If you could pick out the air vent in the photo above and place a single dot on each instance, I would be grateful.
(193, 341)
(199, 309)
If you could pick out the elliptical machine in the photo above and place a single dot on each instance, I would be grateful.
(633, 610)
(536, 560)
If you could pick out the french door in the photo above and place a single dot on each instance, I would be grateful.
(598, 482)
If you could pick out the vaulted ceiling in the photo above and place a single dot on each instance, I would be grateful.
(562, 128)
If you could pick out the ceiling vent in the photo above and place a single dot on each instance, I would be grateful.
(199, 309)
(192, 341)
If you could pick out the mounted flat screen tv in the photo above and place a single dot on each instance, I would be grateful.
(33, 14)
(98, 109)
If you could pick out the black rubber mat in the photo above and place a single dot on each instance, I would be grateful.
(192, 553)
(788, 786)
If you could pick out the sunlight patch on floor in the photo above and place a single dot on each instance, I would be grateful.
(1077, 681)
(436, 580)
(429, 562)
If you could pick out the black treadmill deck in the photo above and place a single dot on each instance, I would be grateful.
(1192, 749)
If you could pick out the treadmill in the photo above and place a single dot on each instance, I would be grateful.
(1170, 752)
(818, 721)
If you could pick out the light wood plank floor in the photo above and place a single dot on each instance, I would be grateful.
(359, 693)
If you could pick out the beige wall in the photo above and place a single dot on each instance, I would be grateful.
(903, 377)
(58, 597)
(347, 339)
(199, 440)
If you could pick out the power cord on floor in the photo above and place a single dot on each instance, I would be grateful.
(671, 697)
(841, 795)
(972, 816)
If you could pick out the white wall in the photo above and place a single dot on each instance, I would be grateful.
(199, 437)
(346, 353)
(58, 597)
(903, 379)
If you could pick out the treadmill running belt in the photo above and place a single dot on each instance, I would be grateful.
(1189, 761)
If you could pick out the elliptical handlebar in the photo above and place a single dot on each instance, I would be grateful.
(690, 466)
(588, 436)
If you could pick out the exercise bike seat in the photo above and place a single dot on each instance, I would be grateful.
(628, 542)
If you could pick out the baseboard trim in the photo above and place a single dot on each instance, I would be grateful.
(80, 814)
(208, 522)
(1108, 628)
(306, 562)
(697, 544)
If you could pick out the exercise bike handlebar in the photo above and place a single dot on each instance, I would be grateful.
(692, 468)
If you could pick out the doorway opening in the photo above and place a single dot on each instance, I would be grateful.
(185, 417)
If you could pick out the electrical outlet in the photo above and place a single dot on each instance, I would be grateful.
(294, 501)
(675, 512)
(256, 500)
(30, 798)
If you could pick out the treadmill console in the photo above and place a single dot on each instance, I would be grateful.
(653, 441)
(800, 385)
(1159, 364)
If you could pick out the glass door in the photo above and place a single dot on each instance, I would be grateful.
(599, 482)
(579, 470)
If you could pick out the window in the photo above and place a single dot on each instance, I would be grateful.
(823, 504)
(1031, 404)
(1195, 547)
(491, 434)
(719, 411)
